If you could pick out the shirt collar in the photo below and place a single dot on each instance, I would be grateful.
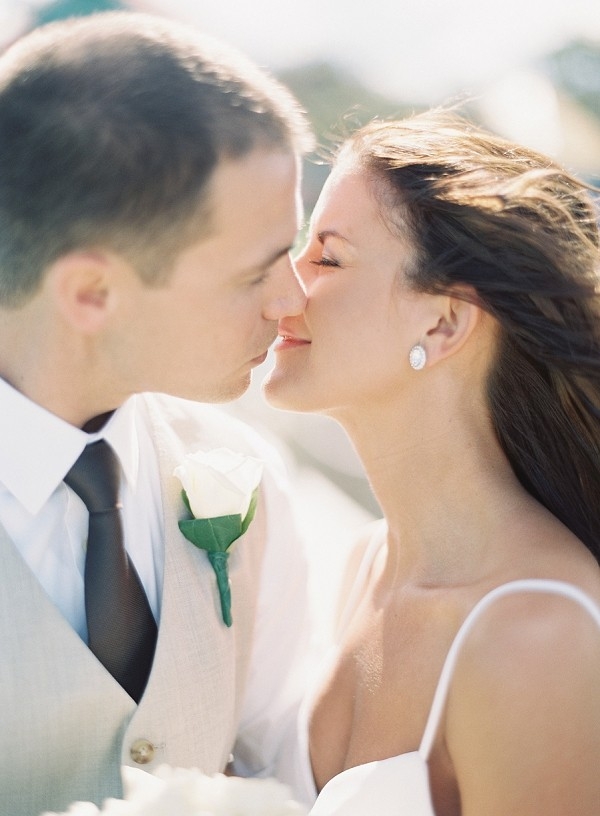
(38, 448)
(121, 434)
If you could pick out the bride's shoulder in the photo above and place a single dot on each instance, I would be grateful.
(524, 705)
(362, 550)
(523, 708)
(522, 651)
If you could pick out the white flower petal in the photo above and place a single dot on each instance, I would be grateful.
(188, 792)
(219, 482)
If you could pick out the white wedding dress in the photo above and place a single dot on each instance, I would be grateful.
(399, 786)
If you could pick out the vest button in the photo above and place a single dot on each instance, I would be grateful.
(142, 751)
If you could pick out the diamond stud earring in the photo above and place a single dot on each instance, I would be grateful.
(417, 357)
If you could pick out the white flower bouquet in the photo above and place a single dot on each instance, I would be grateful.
(188, 792)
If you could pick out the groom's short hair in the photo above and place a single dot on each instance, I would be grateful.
(110, 129)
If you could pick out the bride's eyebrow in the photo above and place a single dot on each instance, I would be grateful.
(324, 234)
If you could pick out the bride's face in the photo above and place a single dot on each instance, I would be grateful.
(351, 345)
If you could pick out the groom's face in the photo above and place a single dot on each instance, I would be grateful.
(200, 335)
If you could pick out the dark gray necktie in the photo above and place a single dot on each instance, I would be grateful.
(122, 630)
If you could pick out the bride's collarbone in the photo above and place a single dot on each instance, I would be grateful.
(375, 700)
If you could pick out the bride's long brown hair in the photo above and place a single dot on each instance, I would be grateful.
(522, 233)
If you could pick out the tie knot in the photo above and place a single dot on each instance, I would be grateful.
(95, 477)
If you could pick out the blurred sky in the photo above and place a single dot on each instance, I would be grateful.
(421, 51)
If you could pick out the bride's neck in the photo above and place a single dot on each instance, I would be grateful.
(441, 480)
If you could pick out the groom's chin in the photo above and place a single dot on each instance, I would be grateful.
(223, 391)
(233, 390)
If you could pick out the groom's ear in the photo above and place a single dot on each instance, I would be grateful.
(82, 286)
(458, 316)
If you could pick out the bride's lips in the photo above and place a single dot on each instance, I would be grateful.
(287, 340)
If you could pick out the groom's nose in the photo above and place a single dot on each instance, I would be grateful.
(287, 295)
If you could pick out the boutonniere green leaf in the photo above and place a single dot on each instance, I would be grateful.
(220, 492)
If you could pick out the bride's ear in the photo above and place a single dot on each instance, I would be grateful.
(458, 317)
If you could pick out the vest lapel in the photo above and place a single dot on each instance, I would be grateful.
(195, 662)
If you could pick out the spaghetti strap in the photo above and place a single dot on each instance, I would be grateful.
(531, 585)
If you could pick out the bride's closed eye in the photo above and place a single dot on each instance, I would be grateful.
(324, 261)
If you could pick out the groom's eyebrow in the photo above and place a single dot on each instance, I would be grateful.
(275, 257)
(268, 261)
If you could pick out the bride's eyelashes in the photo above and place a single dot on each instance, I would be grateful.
(324, 261)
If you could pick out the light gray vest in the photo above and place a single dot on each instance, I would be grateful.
(66, 726)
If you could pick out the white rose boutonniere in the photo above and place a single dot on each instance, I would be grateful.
(220, 490)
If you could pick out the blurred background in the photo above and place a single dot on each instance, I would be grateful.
(527, 69)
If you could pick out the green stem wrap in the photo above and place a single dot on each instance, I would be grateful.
(219, 563)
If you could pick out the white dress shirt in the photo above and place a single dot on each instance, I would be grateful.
(48, 522)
